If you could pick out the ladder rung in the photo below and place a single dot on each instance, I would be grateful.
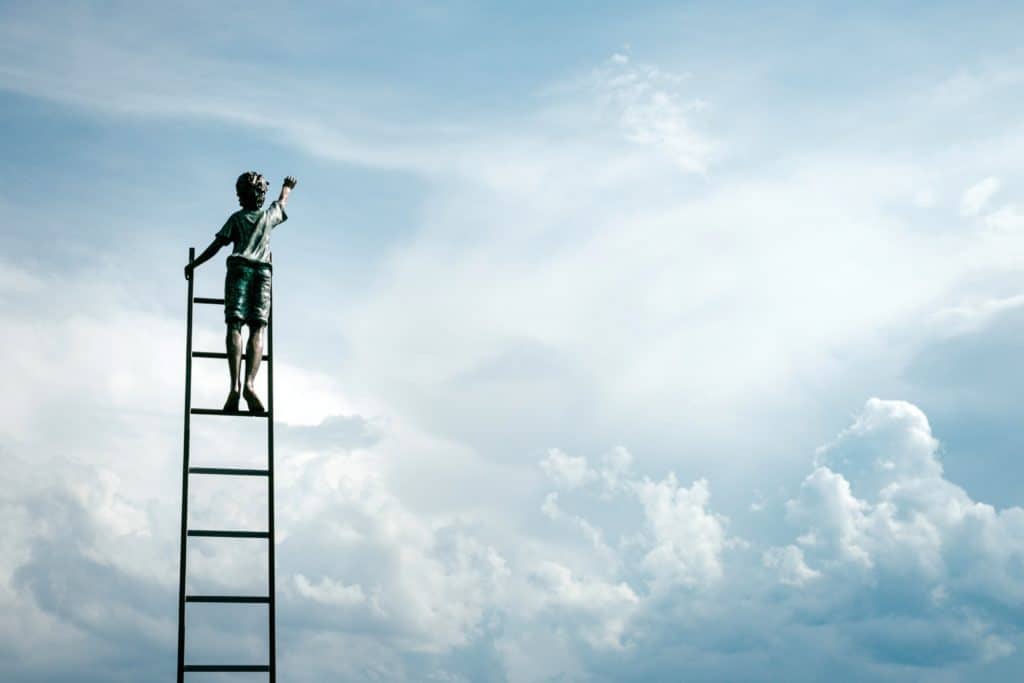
(227, 598)
(206, 300)
(227, 667)
(229, 470)
(235, 413)
(219, 354)
(214, 533)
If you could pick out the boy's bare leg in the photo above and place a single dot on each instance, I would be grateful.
(233, 341)
(252, 365)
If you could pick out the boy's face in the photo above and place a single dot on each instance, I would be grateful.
(254, 194)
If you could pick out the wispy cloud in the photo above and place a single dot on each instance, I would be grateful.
(653, 108)
(977, 196)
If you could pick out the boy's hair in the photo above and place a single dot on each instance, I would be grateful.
(251, 188)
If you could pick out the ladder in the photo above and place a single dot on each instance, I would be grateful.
(187, 470)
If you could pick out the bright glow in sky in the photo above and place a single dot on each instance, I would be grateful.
(615, 341)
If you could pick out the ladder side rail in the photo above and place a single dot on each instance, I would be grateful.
(184, 477)
(271, 587)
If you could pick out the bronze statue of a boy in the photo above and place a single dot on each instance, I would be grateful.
(247, 283)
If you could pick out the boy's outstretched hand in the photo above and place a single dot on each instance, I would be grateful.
(286, 188)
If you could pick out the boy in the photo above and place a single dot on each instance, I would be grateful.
(247, 283)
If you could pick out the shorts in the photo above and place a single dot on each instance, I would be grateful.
(247, 291)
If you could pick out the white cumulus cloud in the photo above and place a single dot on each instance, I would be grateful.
(885, 533)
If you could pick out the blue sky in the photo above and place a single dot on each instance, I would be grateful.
(655, 341)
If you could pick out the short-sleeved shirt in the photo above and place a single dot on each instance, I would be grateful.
(249, 231)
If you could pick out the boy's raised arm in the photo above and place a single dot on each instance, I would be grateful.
(286, 189)
(207, 254)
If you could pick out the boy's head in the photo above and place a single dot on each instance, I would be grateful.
(252, 190)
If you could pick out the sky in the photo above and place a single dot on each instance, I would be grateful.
(614, 341)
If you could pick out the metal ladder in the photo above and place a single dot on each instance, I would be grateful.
(268, 599)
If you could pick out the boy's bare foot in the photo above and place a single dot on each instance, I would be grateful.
(253, 401)
(231, 405)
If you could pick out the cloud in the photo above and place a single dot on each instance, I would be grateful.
(1008, 218)
(651, 109)
(683, 539)
(568, 471)
(975, 316)
(553, 511)
(586, 273)
(789, 561)
(888, 559)
(128, 64)
(967, 375)
(65, 591)
(977, 196)
(536, 296)
(333, 432)
(900, 550)
(330, 592)
(421, 585)
(687, 538)
(968, 85)
(607, 606)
